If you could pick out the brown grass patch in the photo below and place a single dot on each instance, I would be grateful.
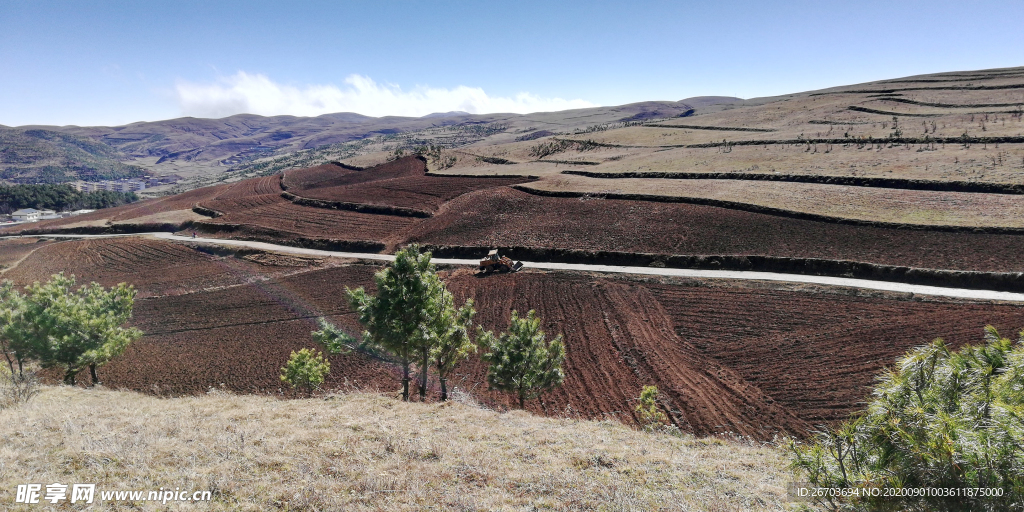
(367, 452)
(920, 207)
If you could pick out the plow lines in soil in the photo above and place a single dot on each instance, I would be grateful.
(727, 359)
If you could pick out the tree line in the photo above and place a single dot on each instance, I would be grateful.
(413, 321)
(59, 198)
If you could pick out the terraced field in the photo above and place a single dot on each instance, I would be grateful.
(246, 194)
(401, 183)
(154, 267)
(506, 217)
(961, 129)
(751, 359)
(286, 221)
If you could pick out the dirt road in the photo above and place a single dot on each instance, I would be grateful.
(708, 274)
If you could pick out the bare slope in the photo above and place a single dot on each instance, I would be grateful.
(726, 357)
(511, 218)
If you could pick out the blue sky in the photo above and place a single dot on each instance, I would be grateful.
(115, 62)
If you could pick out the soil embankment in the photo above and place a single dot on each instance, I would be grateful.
(562, 226)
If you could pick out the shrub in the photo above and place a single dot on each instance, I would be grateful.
(647, 410)
(17, 387)
(307, 369)
(940, 419)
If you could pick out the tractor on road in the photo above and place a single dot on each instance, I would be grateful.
(495, 263)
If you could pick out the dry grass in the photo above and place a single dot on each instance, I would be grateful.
(862, 203)
(803, 116)
(370, 452)
(171, 217)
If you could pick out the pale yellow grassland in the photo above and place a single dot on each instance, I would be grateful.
(369, 159)
(1003, 164)
(862, 203)
(370, 452)
(174, 217)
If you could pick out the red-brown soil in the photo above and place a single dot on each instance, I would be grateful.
(817, 354)
(13, 250)
(285, 220)
(506, 217)
(400, 183)
(618, 338)
(229, 196)
(752, 360)
(246, 194)
(501, 216)
(124, 213)
(241, 336)
(154, 267)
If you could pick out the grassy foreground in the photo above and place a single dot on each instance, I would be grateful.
(369, 452)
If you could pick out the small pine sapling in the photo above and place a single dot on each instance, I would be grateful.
(307, 369)
(521, 360)
(647, 410)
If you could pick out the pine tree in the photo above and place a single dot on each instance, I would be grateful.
(647, 408)
(521, 360)
(451, 329)
(412, 319)
(307, 369)
(939, 419)
(76, 329)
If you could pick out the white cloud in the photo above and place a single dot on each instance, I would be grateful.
(257, 94)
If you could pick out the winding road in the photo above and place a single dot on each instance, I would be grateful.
(709, 274)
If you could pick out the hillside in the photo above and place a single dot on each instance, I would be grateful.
(364, 452)
(47, 156)
(722, 353)
(887, 144)
(816, 183)
(937, 150)
(943, 150)
(204, 149)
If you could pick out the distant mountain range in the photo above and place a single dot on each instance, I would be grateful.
(193, 146)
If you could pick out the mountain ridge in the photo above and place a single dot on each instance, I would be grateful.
(202, 146)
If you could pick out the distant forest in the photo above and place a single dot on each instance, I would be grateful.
(59, 198)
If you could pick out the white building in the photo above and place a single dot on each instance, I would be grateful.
(125, 185)
(26, 215)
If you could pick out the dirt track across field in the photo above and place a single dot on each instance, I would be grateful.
(224, 313)
(616, 269)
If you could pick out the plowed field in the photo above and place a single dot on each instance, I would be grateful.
(246, 194)
(14, 249)
(154, 267)
(618, 338)
(233, 196)
(507, 217)
(240, 336)
(752, 360)
(817, 355)
(286, 220)
(399, 183)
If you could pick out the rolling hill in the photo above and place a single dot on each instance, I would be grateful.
(48, 156)
(200, 148)
(911, 180)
